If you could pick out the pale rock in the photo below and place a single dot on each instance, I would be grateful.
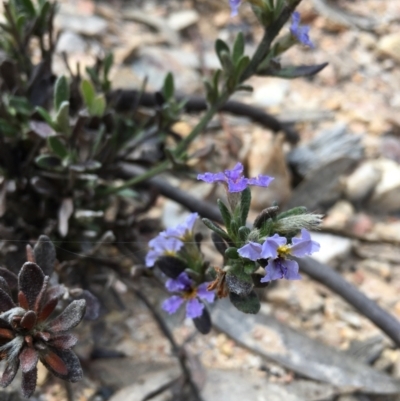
(386, 195)
(71, 42)
(339, 215)
(387, 231)
(362, 182)
(332, 248)
(266, 156)
(271, 94)
(182, 19)
(383, 269)
(81, 24)
(389, 45)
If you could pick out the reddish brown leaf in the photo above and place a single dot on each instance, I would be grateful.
(28, 384)
(63, 341)
(30, 257)
(28, 359)
(48, 309)
(7, 334)
(9, 372)
(55, 363)
(28, 320)
(23, 302)
(40, 299)
(69, 318)
(30, 280)
(70, 361)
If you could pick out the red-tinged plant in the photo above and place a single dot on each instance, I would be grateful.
(27, 335)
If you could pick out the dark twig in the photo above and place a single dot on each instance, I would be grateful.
(125, 98)
(178, 351)
(317, 271)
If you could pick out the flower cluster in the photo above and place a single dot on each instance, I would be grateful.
(276, 250)
(170, 241)
(175, 251)
(235, 180)
(26, 333)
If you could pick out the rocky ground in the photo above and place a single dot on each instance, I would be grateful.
(349, 153)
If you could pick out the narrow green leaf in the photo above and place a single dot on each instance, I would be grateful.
(57, 147)
(48, 162)
(232, 253)
(292, 212)
(246, 304)
(98, 106)
(88, 92)
(244, 233)
(238, 47)
(46, 116)
(107, 64)
(245, 203)
(62, 119)
(61, 92)
(212, 226)
(225, 213)
(168, 87)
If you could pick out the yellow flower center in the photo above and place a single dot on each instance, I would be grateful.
(283, 251)
(190, 294)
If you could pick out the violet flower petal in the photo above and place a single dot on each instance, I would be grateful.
(304, 245)
(271, 245)
(251, 251)
(211, 177)
(237, 186)
(234, 7)
(291, 270)
(300, 32)
(194, 308)
(260, 180)
(172, 304)
(181, 283)
(273, 271)
(204, 294)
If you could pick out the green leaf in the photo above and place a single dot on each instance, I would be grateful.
(232, 253)
(292, 72)
(28, 8)
(210, 92)
(46, 116)
(57, 147)
(61, 92)
(62, 119)
(98, 106)
(88, 93)
(241, 66)
(128, 193)
(168, 87)
(223, 52)
(225, 213)
(238, 47)
(245, 203)
(244, 233)
(246, 88)
(48, 162)
(212, 226)
(292, 212)
(20, 23)
(107, 64)
(246, 304)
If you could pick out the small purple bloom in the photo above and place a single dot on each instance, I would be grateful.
(182, 230)
(300, 32)
(276, 249)
(187, 292)
(281, 268)
(235, 180)
(160, 246)
(234, 7)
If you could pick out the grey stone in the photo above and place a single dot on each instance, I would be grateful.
(275, 341)
(332, 248)
(71, 42)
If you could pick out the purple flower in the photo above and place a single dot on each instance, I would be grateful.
(183, 230)
(276, 249)
(234, 7)
(160, 246)
(300, 32)
(235, 180)
(187, 292)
